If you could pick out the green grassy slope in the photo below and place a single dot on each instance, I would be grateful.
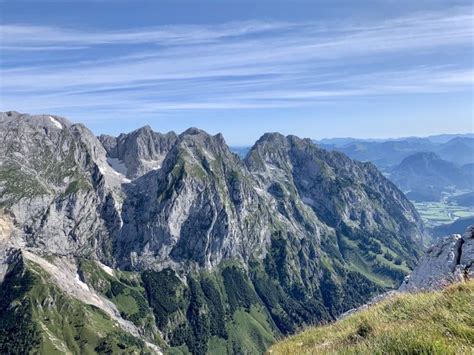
(37, 317)
(228, 310)
(215, 313)
(124, 289)
(425, 323)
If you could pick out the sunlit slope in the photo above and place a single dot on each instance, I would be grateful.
(424, 323)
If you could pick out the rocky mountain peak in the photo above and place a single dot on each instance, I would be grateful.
(193, 131)
(272, 137)
(274, 149)
(199, 199)
(145, 128)
(270, 150)
(52, 175)
(138, 152)
(201, 144)
(44, 121)
(338, 189)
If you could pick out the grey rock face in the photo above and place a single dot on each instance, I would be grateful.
(56, 184)
(8, 256)
(140, 151)
(351, 197)
(466, 261)
(193, 203)
(200, 207)
(450, 260)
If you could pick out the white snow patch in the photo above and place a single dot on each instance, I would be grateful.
(62, 275)
(259, 190)
(151, 164)
(80, 283)
(117, 165)
(107, 170)
(103, 169)
(55, 122)
(308, 200)
(107, 269)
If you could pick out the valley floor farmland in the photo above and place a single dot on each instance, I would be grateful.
(437, 213)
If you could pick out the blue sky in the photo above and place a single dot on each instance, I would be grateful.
(311, 68)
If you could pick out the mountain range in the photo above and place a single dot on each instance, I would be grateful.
(438, 138)
(425, 168)
(425, 176)
(153, 242)
(459, 149)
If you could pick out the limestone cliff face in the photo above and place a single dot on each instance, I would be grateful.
(200, 207)
(292, 232)
(337, 188)
(56, 185)
(450, 260)
(138, 152)
(351, 198)
(189, 202)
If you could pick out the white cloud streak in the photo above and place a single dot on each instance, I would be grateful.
(247, 65)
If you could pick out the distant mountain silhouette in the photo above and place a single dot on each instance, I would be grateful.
(458, 149)
(466, 200)
(426, 173)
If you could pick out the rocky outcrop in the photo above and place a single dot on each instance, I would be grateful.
(351, 197)
(56, 185)
(466, 260)
(450, 260)
(200, 207)
(138, 152)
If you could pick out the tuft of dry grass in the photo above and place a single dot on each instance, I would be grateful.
(440, 322)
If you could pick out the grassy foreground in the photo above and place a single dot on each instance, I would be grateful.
(424, 323)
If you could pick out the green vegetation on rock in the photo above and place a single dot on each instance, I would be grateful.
(123, 289)
(17, 185)
(245, 311)
(218, 310)
(37, 317)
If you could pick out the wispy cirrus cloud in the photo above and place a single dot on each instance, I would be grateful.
(24, 36)
(246, 65)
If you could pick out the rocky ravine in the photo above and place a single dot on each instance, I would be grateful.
(290, 235)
